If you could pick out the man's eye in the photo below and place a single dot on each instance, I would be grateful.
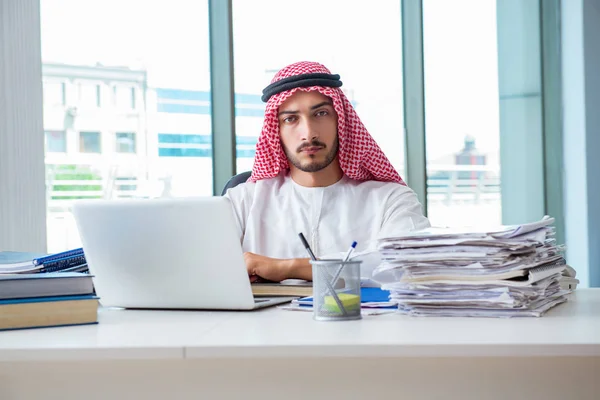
(289, 119)
(322, 113)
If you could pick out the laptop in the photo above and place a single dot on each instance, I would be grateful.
(181, 253)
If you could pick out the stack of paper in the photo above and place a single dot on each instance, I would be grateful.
(502, 272)
(568, 279)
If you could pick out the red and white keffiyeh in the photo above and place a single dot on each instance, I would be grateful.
(359, 155)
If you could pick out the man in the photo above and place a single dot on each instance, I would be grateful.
(316, 171)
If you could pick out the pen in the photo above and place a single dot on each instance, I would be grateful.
(350, 251)
(339, 271)
(307, 247)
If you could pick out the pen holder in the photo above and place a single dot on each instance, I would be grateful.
(336, 290)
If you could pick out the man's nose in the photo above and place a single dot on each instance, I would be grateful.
(308, 130)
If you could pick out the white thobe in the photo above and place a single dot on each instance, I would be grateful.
(271, 213)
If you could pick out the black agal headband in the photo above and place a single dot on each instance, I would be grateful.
(304, 80)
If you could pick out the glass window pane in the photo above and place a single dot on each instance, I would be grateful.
(90, 142)
(362, 57)
(125, 142)
(119, 77)
(462, 112)
(56, 141)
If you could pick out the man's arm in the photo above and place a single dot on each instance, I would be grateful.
(403, 213)
(277, 269)
(300, 269)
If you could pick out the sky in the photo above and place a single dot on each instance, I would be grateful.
(360, 40)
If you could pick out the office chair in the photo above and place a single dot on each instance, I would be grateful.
(236, 180)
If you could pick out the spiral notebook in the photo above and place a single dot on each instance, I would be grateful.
(48, 259)
(13, 262)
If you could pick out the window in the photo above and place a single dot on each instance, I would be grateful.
(148, 71)
(344, 49)
(184, 145)
(462, 112)
(125, 142)
(89, 142)
(56, 141)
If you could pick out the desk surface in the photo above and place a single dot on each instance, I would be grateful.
(571, 329)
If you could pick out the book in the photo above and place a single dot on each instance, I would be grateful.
(291, 287)
(48, 312)
(15, 286)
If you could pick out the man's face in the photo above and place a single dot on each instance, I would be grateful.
(308, 129)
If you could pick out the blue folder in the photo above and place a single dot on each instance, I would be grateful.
(367, 295)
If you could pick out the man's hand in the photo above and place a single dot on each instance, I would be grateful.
(276, 269)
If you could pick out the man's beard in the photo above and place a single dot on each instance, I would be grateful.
(312, 166)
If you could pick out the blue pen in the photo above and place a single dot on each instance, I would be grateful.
(350, 250)
(339, 271)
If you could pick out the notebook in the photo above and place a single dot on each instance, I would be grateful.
(12, 262)
(17, 261)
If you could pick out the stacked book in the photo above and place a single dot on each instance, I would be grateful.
(508, 271)
(42, 290)
(44, 300)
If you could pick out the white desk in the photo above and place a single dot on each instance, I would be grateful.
(274, 353)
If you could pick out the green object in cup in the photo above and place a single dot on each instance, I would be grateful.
(350, 302)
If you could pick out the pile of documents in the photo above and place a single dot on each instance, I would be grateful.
(508, 271)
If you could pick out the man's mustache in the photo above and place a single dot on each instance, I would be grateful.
(314, 143)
